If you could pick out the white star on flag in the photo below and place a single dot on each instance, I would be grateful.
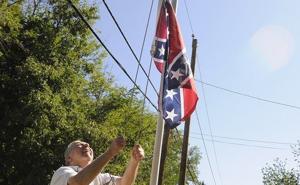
(161, 50)
(170, 93)
(176, 74)
(171, 115)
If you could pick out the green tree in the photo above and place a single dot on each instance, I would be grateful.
(278, 174)
(53, 89)
(296, 152)
(172, 166)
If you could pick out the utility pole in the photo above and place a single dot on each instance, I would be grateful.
(184, 151)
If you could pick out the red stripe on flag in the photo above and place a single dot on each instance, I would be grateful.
(190, 99)
(175, 38)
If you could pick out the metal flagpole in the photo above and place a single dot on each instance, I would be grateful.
(157, 151)
(159, 127)
(163, 155)
(166, 133)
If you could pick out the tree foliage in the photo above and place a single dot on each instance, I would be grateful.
(296, 152)
(53, 90)
(278, 173)
(172, 167)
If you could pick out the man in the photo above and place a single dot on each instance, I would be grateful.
(80, 168)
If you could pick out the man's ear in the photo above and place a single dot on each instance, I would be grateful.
(68, 161)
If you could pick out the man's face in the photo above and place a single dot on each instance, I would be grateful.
(80, 154)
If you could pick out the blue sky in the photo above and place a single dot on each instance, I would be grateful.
(248, 46)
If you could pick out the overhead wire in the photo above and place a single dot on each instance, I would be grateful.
(128, 44)
(140, 132)
(113, 57)
(150, 63)
(241, 144)
(206, 107)
(189, 18)
(143, 44)
(135, 56)
(204, 144)
(247, 95)
(248, 140)
(211, 135)
(209, 122)
(261, 99)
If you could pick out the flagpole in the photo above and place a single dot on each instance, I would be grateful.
(166, 132)
(155, 171)
(184, 151)
(164, 152)
(157, 151)
(159, 127)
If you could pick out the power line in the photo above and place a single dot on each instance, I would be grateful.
(150, 64)
(142, 49)
(247, 95)
(124, 37)
(240, 144)
(206, 107)
(207, 114)
(206, 151)
(209, 122)
(188, 14)
(248, 140)
(119, 64)
(208, 118)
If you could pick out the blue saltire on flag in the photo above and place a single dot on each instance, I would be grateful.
(179, 91)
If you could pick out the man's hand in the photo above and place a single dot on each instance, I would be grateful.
(117, 145)
(130, 173)
(137, 153)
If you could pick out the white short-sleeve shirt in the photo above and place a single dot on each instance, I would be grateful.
(62, 175)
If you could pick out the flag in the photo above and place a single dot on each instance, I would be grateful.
(169, 55)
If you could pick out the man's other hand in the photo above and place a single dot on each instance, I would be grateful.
(117, 145)
(138, 153)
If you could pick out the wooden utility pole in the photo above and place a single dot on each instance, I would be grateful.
(184, 151)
